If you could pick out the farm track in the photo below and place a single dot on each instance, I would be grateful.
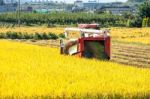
(129, 54)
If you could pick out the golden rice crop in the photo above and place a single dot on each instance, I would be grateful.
(32, 71)
(39, 29)
(135, 35)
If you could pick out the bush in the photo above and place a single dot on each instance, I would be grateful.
(11, 35)
(36, 36)
(129, 23)
(145, 22)
(27, 36)
(2, 35)
(45, 36)
(62, 35)
(52, 36)
(149, 22)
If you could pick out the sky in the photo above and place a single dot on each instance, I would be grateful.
(71, 1)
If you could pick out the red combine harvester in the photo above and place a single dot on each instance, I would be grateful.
(92, 43)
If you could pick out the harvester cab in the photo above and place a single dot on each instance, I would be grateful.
(90, 42)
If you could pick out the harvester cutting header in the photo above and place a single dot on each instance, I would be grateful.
(91, 42)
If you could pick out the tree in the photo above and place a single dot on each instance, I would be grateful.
(144, 10)
(149, 22)
(137, 0)
(137, 22)
(145, 22)
(128, 15)
(129, 23)
(142, 16)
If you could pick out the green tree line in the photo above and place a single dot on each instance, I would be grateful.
(63, 18)
(140, 19)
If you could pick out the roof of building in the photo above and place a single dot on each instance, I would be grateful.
(104, 7)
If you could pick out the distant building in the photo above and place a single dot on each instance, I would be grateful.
(1, 2)
(118, 9)
(90, 5)
(8, 5)
(93, 5)
(9, 1)
(79, 3)
(29, 9)
(116, 4)
(92, 1)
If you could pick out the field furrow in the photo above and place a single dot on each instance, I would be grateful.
(138, 55)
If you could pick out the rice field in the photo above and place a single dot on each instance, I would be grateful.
(37, 29)
(31, 71)
(132, 54)
(129, 35)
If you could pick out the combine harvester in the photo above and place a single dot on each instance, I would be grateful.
(90, 43)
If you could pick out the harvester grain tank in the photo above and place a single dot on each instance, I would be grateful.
(92, 42)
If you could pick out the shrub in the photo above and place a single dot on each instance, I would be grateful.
(13, 35)
(149, 22)
(129, 23)
(145, 22)
(2, 35)
(36, 36)
(27, 36)
(52, 36)
(62, 35)
(45, 36)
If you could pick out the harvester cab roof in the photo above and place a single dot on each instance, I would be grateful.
(91, 43)
(87, 32)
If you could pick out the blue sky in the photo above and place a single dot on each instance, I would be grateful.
(71, 1)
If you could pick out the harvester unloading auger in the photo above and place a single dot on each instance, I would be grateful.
(92, 43)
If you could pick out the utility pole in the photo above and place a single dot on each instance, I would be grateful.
(64, 5)
(18, 13)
